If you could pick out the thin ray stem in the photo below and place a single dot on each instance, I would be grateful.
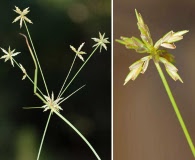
(32, 107)
(43, 137)
(37, 59)
(59, 95)
(79, 70)
(72, 94)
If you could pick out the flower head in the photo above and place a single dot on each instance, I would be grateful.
(9, 55)
(51, 103)
(22, 16)
(79, 52)
(145, 45)
(101, 41)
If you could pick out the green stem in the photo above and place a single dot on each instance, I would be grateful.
(183, 126)
(36, 59)
(79, 133)
(43, 137)
(59, 95)
(79, 70)
(71, 94)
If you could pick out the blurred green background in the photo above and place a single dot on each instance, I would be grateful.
(56, 25)
(145, 124)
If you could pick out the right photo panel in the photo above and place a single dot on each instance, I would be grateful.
(153, 80)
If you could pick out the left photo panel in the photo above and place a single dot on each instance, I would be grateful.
(55, 65)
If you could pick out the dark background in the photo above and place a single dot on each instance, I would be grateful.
(145, 124)
(56, 25)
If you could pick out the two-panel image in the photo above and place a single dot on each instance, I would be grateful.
(97, 80)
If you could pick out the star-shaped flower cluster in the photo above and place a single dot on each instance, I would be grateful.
(52, 104)
(22, 16)
(78, 51)
(145, 45)
(101, 41)
(9, 55)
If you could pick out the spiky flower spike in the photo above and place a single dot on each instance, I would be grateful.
(145, 45)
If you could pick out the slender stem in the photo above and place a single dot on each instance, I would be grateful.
(59, 95)
(36, 58)
(183, 126)
(79, 133)
(71, 94)
(80, 69)
(43, 137)
(32, 107)
(35, 63)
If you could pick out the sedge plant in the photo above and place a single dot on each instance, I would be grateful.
(146, 45)
(51, 103)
